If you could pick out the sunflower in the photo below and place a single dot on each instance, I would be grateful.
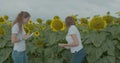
(74, 17)
(30, 22)
(83, 20)
(48, 22)
(118, 13)
(9, 24)
(2, 31)
(83, 24)
(76, 23)
(27, 30)
(109, 19)
(42, 27)
(39, 43)
(2, 20)
(6, 17)
(39, 20)
(118, 20)
(36, 33)
(56, 17)
(57, 25)
(97, 23)
(25, 25)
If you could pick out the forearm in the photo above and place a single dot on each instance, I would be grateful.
(15, 40)
(71, 44)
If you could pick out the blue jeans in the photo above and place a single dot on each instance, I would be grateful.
(78, 57)
(19, 57)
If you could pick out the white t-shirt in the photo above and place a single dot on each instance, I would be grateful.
(19, 46)
(73, 30)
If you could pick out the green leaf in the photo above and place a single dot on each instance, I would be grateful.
(97, 38)
(106, 59)
(93, 53)
(2, 43)
(110, 47)
(4, 54)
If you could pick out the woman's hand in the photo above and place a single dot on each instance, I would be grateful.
(61, 45)
(14, 38)
(26, 36)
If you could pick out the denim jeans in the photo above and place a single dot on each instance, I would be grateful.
(78, 57)
(19, 57)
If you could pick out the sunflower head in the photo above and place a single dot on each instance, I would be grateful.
(83, 24)
(56, 17)
(30, 22)
(74, 17)
(9, 24)
(57, 25)
(42, 27)
(6, 17)
(118, 13)
(97, 23)
(25, 26)
(36, 33)
(39, 43)
(48, 22)
(109, 19)
(39, 20)
(83, 20)
(2, 31)
(2, 20)
(27, 30)
(118, 20)
(76, 23)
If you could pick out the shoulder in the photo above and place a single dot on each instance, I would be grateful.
(14, 26)
(73, 27)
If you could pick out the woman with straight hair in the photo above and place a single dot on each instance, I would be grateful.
(18, 38)
(74, 41)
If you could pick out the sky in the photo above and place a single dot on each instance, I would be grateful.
(47, 9)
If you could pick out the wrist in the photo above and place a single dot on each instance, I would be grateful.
(24, 38)
(64, 45)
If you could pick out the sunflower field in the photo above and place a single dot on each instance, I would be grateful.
(100, 37)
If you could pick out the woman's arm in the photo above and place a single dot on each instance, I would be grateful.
(14, 38)
(26, 36)
(73, 44)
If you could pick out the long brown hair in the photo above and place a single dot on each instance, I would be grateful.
(69, 21)
(19, 19)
